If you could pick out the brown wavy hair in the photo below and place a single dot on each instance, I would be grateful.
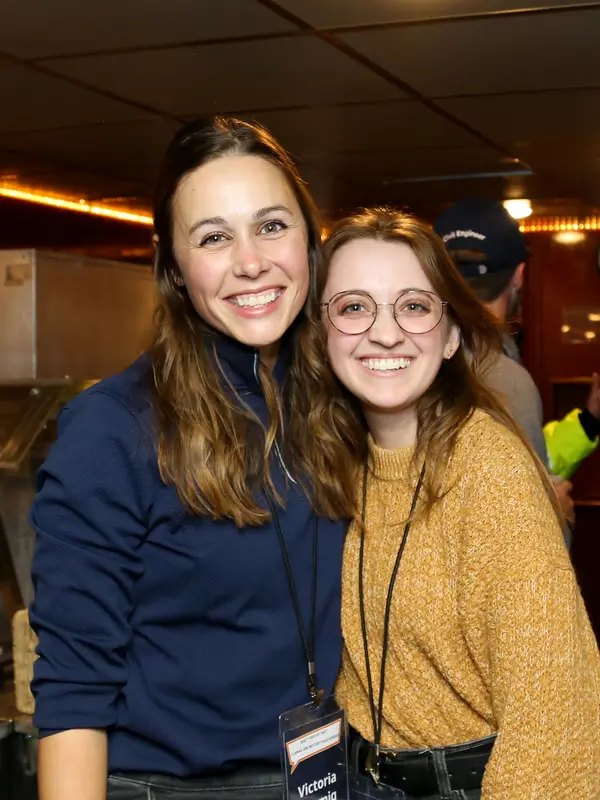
(211, 447)
(458, 389)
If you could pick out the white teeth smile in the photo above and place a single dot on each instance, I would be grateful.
(386, 364)
(252, 300)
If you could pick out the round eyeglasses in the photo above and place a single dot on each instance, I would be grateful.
(415, 311)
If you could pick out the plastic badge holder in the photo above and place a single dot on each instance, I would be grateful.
(314, 754)
(362, 787)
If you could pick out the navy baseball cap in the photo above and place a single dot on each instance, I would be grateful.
(486, 227)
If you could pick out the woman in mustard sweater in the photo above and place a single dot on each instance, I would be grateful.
(470, 668)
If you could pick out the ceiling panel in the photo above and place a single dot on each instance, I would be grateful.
(31, 100)
(430, 198)
(14, 166)
(329, 193)
(563, 154)
(426, 164)
(362, 126)
(332, 13)
(575, 161)
(585, 185)
(122, 148)
(244, 75)
(60, 180)
(350, 130)
(489, 55)
(21, 170)
(520, 117)
(38, 28)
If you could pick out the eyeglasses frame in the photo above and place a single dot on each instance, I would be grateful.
(380, 305)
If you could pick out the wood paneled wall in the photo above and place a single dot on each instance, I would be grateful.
(559, 278)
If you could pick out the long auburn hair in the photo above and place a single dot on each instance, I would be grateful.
(211, 447)
(458, 389)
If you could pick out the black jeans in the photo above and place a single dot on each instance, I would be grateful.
(357, 792)
(249, 783)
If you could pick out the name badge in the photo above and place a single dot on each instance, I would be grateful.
(314, 754)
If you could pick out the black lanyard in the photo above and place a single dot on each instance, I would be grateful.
(308, 642)
(377, 713)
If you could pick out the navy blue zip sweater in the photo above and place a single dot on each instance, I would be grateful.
(175, 633)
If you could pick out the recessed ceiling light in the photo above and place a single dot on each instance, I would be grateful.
(518, 209)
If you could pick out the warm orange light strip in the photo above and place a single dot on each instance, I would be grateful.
(556, 224)
(72, 205)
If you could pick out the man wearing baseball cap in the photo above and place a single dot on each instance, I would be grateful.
(490, 252)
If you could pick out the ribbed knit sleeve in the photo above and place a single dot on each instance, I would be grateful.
(526, 622)
(89, 519)
(544, 691)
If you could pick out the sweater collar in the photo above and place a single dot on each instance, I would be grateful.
(389, 465)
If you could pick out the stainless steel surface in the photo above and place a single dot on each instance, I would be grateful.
(73, 317)
(17, 313)
(31, 408)
(8, 710)
(11, 594)
(64, 321)
(27, 428)
(17, 491)
(10, 718)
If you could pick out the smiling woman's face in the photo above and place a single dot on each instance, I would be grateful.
(387, 369)
(241, 244)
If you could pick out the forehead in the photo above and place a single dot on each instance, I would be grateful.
(376, 266)
(232, 186)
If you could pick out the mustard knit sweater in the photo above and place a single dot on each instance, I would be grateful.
(488, 630)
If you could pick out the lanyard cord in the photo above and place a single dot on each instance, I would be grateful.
(377, 713)
(308, 643)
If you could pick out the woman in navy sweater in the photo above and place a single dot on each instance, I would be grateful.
(171, 501)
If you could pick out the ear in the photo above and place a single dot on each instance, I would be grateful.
(177, 279)
(518, 277)
(452, 342)
(155, 242)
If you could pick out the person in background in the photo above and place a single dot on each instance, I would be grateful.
(490, 252)
(470, 669)
(169, 507)
(574, 437)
